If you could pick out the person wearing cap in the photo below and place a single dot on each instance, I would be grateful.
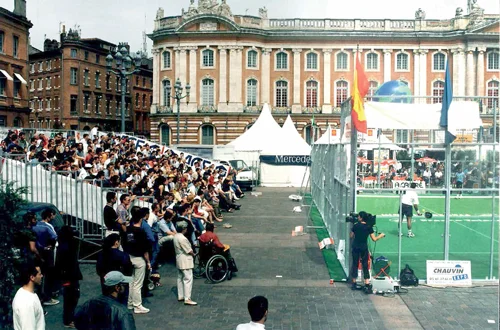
(184, 262)
(105, 311)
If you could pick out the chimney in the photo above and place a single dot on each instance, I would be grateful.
(20, 7)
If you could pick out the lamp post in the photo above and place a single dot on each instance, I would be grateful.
(124, 69)
(178, 97)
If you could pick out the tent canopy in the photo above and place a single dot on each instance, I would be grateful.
(287, 142)
(258, 136)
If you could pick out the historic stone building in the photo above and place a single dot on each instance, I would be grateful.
(304, 67)
(70, 87)
(14, 41)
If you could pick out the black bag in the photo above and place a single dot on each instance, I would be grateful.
(407, 277)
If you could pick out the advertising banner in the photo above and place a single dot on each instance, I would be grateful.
(449, 272)
(403, 184)
(281, 160)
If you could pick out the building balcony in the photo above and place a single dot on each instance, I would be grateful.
(311, 110)
(164, 109)
(207, 109)
(252, 109)
(282, 110)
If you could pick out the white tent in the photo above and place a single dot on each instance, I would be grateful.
(331, 136)
(248, 145)
(284, 160)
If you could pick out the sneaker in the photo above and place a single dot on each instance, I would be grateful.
(410, 234)
(51, 302)
(190, 302)
(130, 307)
(141, 310)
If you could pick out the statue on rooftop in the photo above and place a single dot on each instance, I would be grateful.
(263, 12)
(420, 14)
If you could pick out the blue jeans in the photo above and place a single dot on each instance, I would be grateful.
(197, 224)
(154, 255)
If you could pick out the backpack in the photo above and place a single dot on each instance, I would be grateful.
(407, 277)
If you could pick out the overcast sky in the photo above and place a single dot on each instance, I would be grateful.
(124, 20)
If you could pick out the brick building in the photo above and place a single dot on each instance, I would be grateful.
(236, 63)
(71, 88)
(14, 40)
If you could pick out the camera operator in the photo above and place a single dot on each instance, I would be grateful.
(359, 246)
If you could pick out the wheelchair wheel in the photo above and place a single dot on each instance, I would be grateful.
(217, 269)
(199, 269)
(151, 286)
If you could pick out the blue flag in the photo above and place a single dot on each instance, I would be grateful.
(447, 98)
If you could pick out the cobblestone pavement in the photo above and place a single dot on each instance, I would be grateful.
(291, 273)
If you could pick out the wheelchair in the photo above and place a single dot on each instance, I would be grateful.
(208, 263)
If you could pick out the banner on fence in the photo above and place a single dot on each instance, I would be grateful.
(449, 272)
(283, 160)
(402, 184)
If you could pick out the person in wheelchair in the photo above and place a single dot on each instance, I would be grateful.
(210, 238)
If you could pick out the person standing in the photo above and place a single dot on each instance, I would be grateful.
(70, 274)
(114, 224)
(106, 311)
(184, 261)
(459, 181)
(26, 306)
(257, 307)
(137, 246)
(409, 201)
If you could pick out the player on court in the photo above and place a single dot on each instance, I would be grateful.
(409, 201)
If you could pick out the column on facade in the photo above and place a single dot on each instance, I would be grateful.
(265, 78)
(193, 79)
(222, 79)
(296, 106)
(183, 66)
(387, 64)
(327, 69)
(458, 72)
(416, 72)
(156, 82)
(423, 74)
(480, 72)
(470, 77)
(177, 51)
(235, 78)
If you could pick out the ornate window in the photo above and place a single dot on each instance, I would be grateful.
(341, 92)
(492, 90)
(342, 61)
(281, 93)
(311, 94)
(372, 61)
(373, 86)
(207, 135)
(437, 91)
(166, 93)
(312, 61)
(493, 61)
(438, 62)
(207, 56)
(281, 61)
(251, 92)
(252, 59)
(166, 59)
(402, 62)
(207, 92)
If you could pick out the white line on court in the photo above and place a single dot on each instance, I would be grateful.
(435, 252)
(424, 197)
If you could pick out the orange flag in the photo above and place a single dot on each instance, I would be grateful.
(359, 90)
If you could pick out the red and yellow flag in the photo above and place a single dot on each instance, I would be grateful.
(359, 90)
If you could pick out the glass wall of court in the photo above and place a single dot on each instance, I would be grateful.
(384, 170)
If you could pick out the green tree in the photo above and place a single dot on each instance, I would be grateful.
(10, 201)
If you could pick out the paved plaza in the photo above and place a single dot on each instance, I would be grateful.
(291, 273)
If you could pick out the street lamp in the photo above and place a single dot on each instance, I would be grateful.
(123, 69)
(178, 97)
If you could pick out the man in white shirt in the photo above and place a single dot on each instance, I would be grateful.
(26, 306)
(257, 307)
(409, 199)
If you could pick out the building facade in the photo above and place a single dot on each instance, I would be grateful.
(304, 67)
(70, 87)
(14, 41)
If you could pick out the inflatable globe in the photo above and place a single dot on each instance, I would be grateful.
(393, 91)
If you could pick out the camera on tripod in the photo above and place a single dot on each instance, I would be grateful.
(370, 219)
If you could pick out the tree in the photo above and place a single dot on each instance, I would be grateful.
(10, 202)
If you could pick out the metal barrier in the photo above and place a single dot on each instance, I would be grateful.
(465, 221)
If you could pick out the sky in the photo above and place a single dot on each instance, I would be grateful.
(125, 20)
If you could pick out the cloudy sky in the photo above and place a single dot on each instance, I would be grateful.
(124, 20)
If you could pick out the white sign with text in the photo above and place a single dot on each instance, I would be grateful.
(449, 272)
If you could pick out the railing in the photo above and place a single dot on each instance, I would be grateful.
(282, 110)
(164, 109)
(311, 109)
(372, 24)
(252, 109)
(207, 109)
